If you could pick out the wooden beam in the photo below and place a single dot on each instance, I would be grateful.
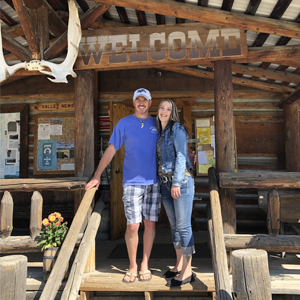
(294, 98)
(27, 26)
(88, 18)
(7, 19)
(14, 31)
(141, 16)
(257, 179)
(211, 15)
(280, 243)
(16, 48)
(56, 25)
(224, 130)
(40, 25)
(29, 184)
(292, 137)
(235, 80)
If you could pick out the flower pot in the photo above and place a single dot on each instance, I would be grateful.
(50, 256)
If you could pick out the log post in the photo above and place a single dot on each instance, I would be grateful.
(292, 139)
(273, 212)
(36, 211)
(225, 138)
(13, 274)
(218, 251)
(85, 110)
(250, 275)
(6, 215)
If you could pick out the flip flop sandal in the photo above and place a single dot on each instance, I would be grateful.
(130, 275)
(143, 273)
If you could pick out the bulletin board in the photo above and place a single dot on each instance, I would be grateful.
(205, 148)
(54, 144)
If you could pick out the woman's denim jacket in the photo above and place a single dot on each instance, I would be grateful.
(174, 152)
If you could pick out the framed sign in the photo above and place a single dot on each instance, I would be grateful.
(54, 144)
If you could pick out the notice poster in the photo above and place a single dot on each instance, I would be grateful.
(47, 155)
(9, 145)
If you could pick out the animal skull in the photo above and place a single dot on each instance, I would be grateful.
(58, 71)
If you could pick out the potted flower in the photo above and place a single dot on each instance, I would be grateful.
(53, 233)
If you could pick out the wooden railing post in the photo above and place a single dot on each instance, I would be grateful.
(36, 211)
(221, 275)
(6, 215)
(72, 287)
(68, 245)
(273, 212)
(250, 275)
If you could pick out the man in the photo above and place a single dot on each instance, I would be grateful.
(140, 182)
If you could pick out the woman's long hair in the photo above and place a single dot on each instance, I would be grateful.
(173, 117)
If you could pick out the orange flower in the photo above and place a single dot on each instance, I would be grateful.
(57, 214)
(45, 222)
(52, 218)
(57, 224)
(61, 219)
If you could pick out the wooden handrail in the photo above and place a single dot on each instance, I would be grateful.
(219, 256)
(258, 179)
(40, 184)
(63, 258)
(73, 284)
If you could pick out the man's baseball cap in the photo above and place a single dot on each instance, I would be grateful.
(142, 92)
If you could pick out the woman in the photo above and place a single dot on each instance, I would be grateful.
(177, 189)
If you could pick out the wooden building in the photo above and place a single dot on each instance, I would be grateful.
(233, 64)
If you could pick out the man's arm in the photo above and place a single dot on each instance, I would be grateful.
(105, 160)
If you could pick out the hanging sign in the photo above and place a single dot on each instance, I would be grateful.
(104, 123)
(149, 46)
(66, 106)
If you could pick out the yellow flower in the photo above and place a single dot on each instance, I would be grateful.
(52, 218)
(57, 214)
(46, 222)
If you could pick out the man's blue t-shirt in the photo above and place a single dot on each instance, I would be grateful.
(139, 166)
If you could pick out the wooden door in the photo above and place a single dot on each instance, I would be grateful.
(117, 111)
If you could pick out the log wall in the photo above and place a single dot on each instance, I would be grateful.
(259, 121)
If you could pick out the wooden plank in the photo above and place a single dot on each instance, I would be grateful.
(224, 138)
(6, 215)
(75, 277)
(220, 264)
(280, 243)
(56, 275)
(14, 31)
(273, 212)
(36, 184)
(7, 19)
(259, 180)
(210, 15)
(36, 211)
(292, 137)
(27, 26)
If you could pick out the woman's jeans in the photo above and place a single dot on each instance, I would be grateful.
(179, 212)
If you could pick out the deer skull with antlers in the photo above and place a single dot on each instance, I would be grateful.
(58, 71)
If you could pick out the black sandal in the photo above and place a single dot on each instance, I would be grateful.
(173, 282)
(171, 274)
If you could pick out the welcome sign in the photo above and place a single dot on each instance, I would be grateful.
(150, 46)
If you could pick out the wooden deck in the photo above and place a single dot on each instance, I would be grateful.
(284, 272)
